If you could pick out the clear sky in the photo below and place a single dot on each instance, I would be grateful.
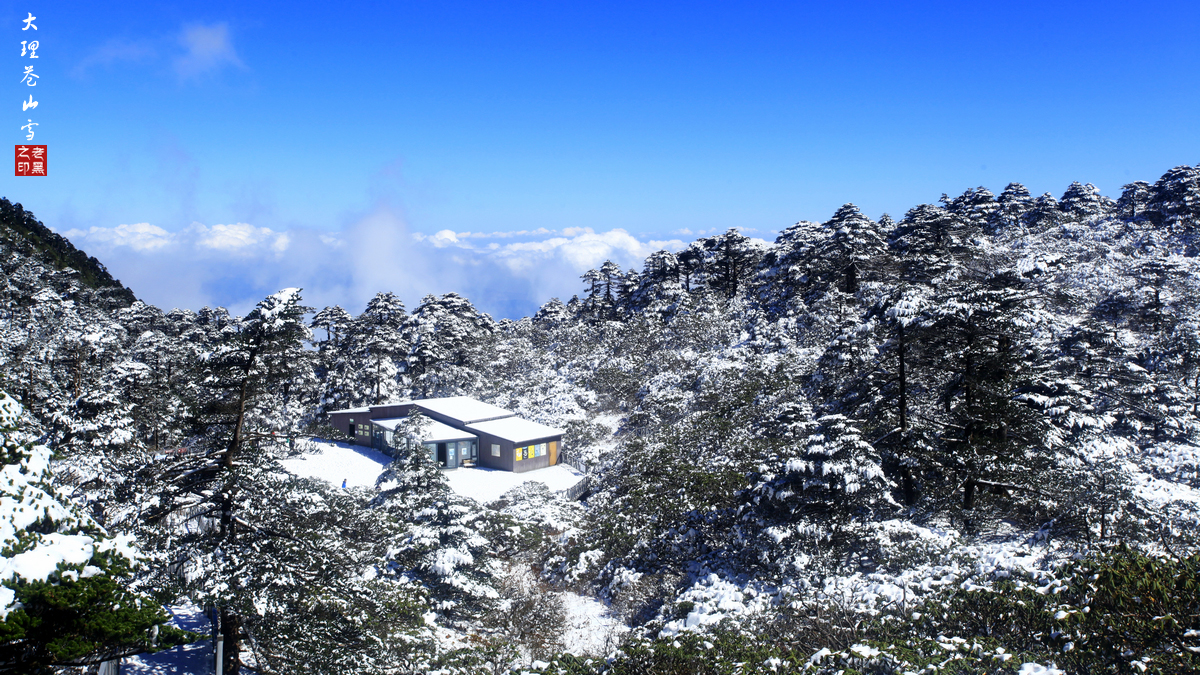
(211, 153)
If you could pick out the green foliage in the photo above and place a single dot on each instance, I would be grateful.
(84, 619)
(725, 651)
(1120, 612)
(376, 627)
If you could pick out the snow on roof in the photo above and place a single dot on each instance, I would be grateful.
(435, 432)
(351, 410)
(516, 429)
(464, 409)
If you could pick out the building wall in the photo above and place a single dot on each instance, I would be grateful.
(504, 461)
(383, 412)
(535, 462)
(341, 420)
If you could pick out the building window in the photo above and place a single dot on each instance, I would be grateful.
(495, 450)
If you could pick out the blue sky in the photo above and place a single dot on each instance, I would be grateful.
(212, 153)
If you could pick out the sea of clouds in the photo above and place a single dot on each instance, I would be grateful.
(507, 274)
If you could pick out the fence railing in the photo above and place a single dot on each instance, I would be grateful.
(185, 451)
(577, 490)
(576, 464)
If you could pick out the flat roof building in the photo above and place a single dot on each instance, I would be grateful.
(462, 431)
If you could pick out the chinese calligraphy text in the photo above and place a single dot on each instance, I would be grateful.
(30, 160)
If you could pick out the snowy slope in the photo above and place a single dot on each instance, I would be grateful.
(360, 467)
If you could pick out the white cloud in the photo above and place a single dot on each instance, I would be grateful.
(138, 236)
(239, 238)
(208, 48)
(115, 51)
(443, 239)
(505, 235)
(238, 264)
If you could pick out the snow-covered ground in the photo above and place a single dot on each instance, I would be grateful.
(334, 462)
(193, 659)
(360, 467)
(486, 485)
(592, 630)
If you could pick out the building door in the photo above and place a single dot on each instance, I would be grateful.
(553, 453)
(441, 456)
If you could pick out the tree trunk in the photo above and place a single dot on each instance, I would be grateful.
(969, 374)
(969, 489)
(903, 382)
(231, 630)
(909, 485)
(231, 624)
(852, 279)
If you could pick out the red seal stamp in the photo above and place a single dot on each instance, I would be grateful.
(31, 160)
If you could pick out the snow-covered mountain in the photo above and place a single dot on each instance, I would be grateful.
(960, 441)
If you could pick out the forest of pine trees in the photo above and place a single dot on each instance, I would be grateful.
(962, 440)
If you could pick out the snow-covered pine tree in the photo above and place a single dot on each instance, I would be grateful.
(1175, 204)
(823, 484)
(378, 346)
(1044, 214)
(447, 342)
(442, 546)
(888, 393)
(785, 277)
(975, 206)
(659, 291)
(1084, 203)
(1012, 206)
(996, 435)
(202, 515)
(851, 250)
(335, 369)
(1135, 198)
(730, 261)
(153, 380)
(552, 314)
(65, 585)
(930, 240)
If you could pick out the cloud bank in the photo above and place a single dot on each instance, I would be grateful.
(508, 274)
(206, 49)
(195, 51)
